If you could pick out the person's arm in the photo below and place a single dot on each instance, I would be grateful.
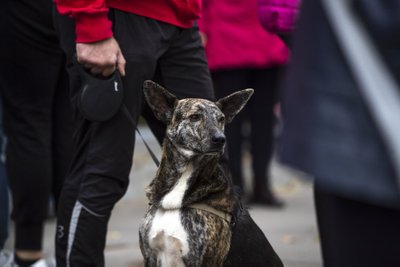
(92, 23)
(96, 47)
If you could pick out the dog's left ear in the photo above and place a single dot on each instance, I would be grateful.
(160, 100)
(233, 103)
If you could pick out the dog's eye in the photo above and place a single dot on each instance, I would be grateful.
(194, 117)
(221, 119)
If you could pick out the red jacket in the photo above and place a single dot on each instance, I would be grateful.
(92, 23)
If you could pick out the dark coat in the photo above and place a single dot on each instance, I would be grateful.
(328, 129)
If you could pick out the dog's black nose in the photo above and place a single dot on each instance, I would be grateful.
(218, 139)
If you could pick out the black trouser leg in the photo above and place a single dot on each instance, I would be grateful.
(63, 129)
(259, 112)
(99, 173)
(226, 82)
(262, 121)
(32, 74)
(355, 233)
(103, 152)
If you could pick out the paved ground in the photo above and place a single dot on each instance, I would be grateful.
(291, 231)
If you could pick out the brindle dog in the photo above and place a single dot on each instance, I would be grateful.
(193, 218)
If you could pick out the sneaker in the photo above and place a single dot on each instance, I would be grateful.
(51, 262)
(39, 263)
(6, 258)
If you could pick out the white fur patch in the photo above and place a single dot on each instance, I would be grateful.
(186, 152)
(173, 200)
(167, 223)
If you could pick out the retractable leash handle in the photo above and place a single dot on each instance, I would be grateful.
(101, 98)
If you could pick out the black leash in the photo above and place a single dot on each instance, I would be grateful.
(128, 115)
(110, 91)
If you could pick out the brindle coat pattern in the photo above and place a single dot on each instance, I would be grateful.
(194, 138)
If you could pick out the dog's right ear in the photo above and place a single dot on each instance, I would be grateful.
(233, 103)
(160, 100)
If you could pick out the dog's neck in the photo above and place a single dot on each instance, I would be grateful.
(179, 170)
(176, 160)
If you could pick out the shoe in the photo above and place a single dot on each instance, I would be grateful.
(6, 258)
(39, 263)
(267, 199)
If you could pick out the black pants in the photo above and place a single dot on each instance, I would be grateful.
(36, 114)
(355, 233)
(258, 113)
(103, 151)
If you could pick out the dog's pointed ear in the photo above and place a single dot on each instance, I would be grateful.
(233, 103)
(160, 100)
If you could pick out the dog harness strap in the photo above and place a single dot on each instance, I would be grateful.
(227, 217)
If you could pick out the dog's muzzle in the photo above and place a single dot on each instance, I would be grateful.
(217, 142)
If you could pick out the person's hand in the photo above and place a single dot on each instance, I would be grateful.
(101, 58)
(203, 38)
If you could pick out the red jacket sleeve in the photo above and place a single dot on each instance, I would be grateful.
(203, 20)
(92, 23)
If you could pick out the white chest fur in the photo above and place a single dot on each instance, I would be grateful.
(174, 198)
(167, 235)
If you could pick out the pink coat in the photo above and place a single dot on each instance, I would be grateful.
(236, 39)
(278, 15)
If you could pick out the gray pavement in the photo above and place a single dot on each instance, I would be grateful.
(291, 231)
